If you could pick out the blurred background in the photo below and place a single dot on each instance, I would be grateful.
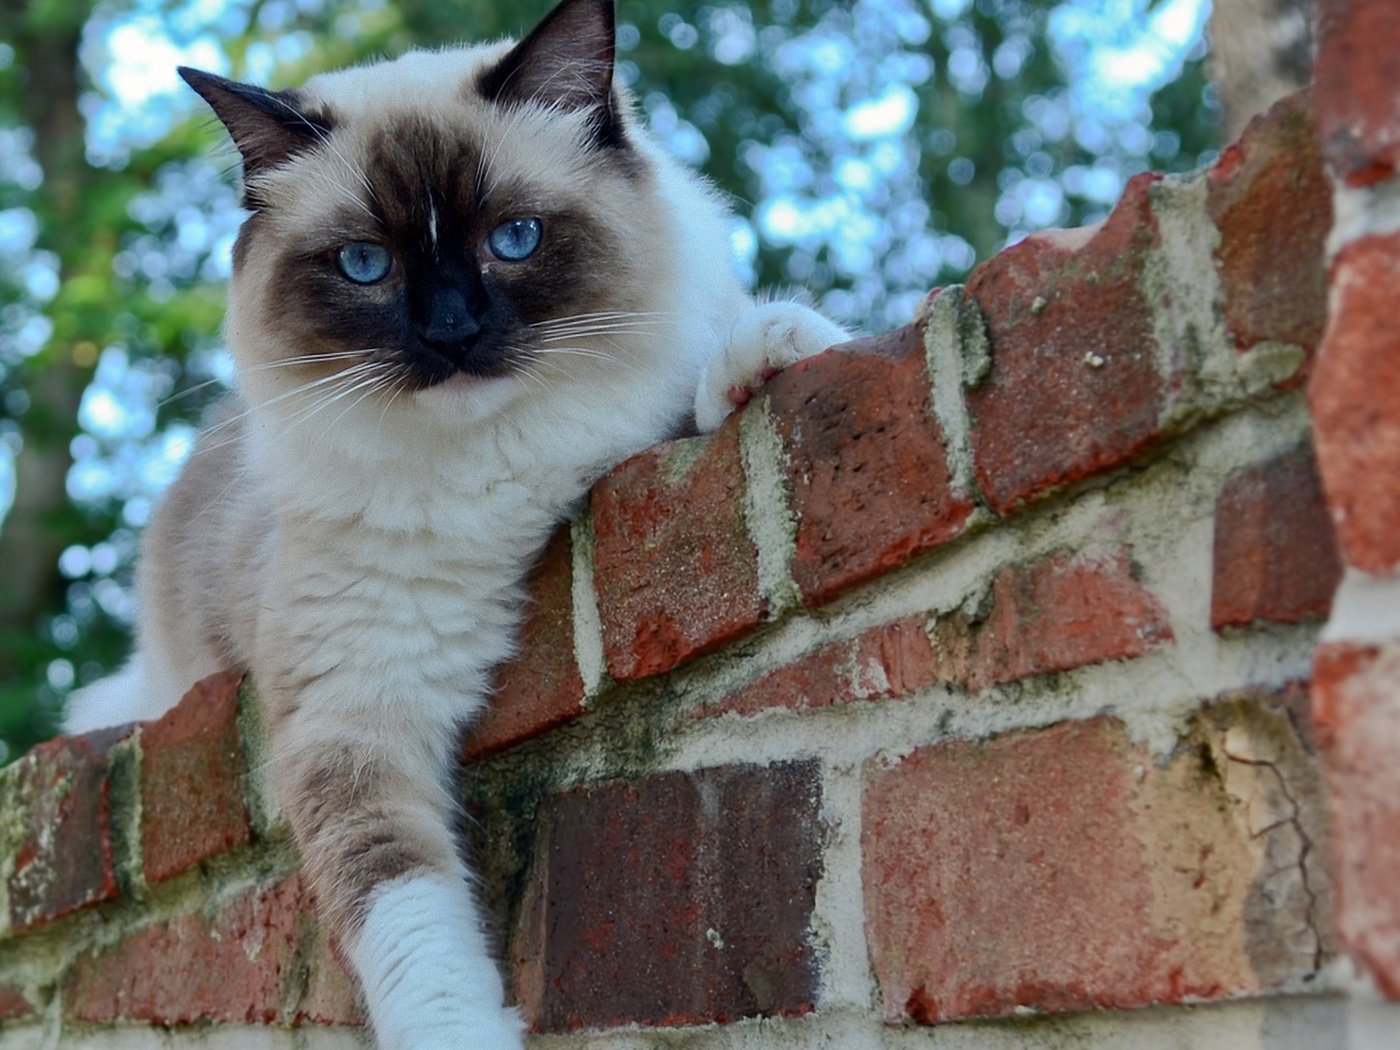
(873, 149)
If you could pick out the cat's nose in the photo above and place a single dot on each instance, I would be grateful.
(450, 320)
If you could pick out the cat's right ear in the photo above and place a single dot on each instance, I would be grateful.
(565, 63)
(268, 127)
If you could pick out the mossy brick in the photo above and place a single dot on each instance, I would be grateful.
(885, 662)
(14, 1004)
(675, 569)
(192, 780)
(869, 482)
(1064, 869)
(1275, 555)
(684, 898)
(541, 687)
(1271, 201)
(238, 963)
(1356, 69)
(331, 996)
(1355, 400)
(1060, 612)
(63, 837)
(1356, 708)
(1074, 387)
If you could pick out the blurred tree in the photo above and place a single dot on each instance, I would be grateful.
(875, 147)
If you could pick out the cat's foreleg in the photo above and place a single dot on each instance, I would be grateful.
(372, 809)
(765, 339)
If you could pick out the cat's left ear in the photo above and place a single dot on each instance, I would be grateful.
(565, 63)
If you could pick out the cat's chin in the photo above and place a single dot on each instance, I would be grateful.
(463, 400)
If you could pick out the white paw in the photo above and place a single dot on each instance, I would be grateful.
(428, 978)
(764, 341)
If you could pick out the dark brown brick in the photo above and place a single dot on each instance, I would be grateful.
(1074, 387)
(192, 787)
(1275, 551)
(1056, 614)
(65, 859)
(685, 898)
(675, 570)
(1272, 204)
(541, 688)
(868, 474)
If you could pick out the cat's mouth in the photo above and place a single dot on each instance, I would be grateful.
(435, 363)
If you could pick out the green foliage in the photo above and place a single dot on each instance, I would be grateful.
(117, 295)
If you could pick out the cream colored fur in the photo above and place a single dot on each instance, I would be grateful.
(363, 557)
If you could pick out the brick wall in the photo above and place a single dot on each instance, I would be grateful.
(1029, 676)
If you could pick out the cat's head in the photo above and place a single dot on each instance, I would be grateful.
(474, 219)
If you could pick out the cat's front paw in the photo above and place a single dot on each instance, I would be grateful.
(763, 342)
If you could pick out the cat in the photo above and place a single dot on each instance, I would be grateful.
(470, 282)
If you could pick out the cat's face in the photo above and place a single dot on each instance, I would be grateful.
(467, 220)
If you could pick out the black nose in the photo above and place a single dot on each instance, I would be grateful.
(450, 321)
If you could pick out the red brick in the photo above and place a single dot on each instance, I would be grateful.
(867, 470)
(1275, 550)
(331, 996)
(192, 805)
(1062, 612)
(675, 570)
(1356, 706)
(64, 861)
(887, 662)
(1356, 70)
(238, 966)
(13, 1004)
(699, 895)
(1355, 398)
(1064, 869)
(1272, 203)
(541, 688)
(1074, 387)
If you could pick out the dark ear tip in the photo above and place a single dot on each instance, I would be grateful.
(201, 82)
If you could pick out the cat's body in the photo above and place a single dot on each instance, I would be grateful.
(355, 531)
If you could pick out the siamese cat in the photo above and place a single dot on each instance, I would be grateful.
(470, 282)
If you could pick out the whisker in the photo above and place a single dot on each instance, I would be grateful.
(375, 384)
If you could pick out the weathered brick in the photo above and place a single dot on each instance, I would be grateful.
(1272, 204)
(1356, 706)
(1063, 869)
(1275, 550)
(868, 475)
(886, 662)
(674, 566)
(1074, 386)
(14, 1005)
(1355, 400)
(239, 965)
(682, 899)
(331, 996)
(192, 788)
(1061, 612)
(541, 688)
(1356, 70)
(64, 859)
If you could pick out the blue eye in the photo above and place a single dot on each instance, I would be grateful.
(364, 263)
(515, 239)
